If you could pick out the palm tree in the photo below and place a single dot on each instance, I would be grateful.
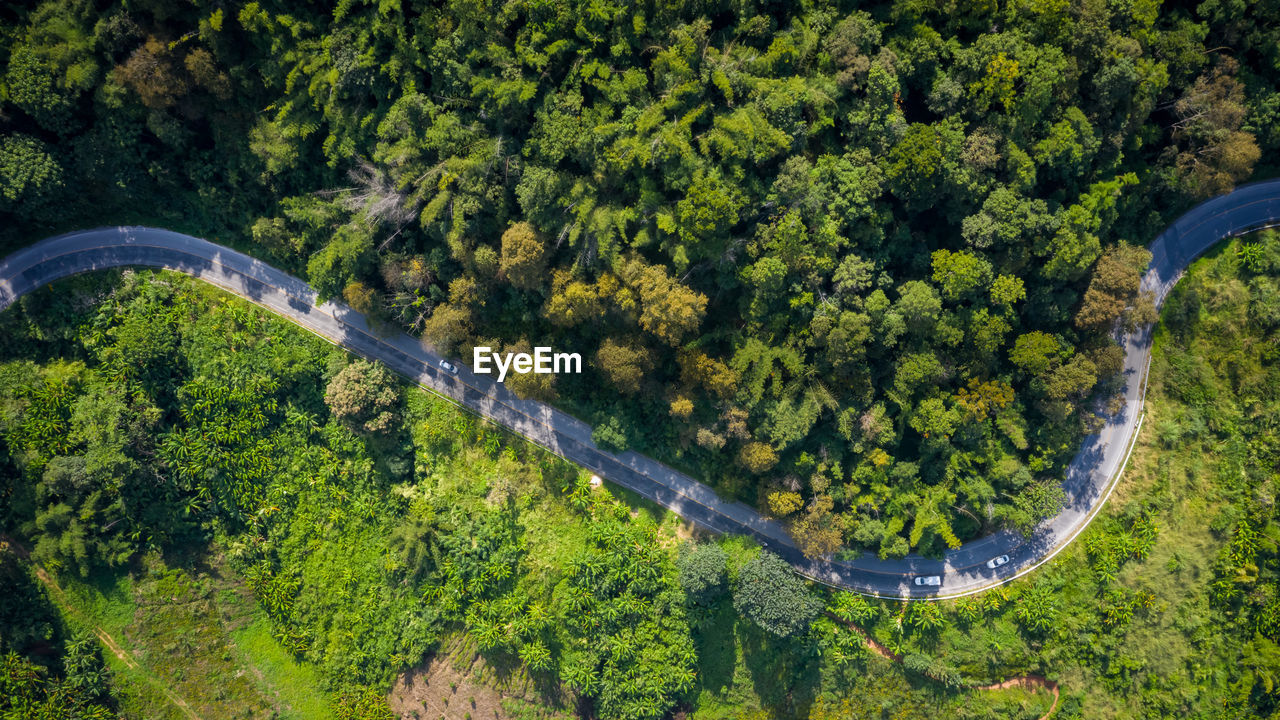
(1261, 661)
(580, 676)
(535, 655)
(413, 542)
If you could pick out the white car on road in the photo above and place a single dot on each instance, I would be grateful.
(996, 562)
(933, 580)
(449, 366)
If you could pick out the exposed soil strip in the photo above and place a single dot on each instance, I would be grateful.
(1027, 682)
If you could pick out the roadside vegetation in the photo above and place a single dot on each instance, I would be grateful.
(1166, 606)
(157, 431)
(856, 266)
(372, 549)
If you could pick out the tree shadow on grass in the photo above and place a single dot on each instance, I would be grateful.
(785, 672)
(714, 642)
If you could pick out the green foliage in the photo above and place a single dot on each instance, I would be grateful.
(768, 593)
(86, 675)
(1035, 352)
(360, 581)
(340, 261)
(754, 195)
(610, 435)
(1167, 602)
(26, 692)
(703, 573)
(26, 618)
(362, 705)
(601, 609)
(849, 191)
(629, 646)
(961, 274)
(363, 395)
(30, 176)
(705, 215)
(43, 673)
(1037, 610)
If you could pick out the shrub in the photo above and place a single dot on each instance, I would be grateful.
(703, 573)
(770, 595)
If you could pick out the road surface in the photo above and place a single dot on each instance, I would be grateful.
(1087, 482)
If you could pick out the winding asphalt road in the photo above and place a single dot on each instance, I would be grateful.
(1088, 481)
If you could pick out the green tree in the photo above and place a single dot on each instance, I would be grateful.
(960, 274)
(1073, 378)
(86, 675)
(1035, 352)
(919, 305)
(364, 396)
(30, 177)
(413, 543)
(933, 419)
(1037, 609)
(628, 639)
(340, 262)
(30, 694)
(915, 372)
(524, 257)
(768, 593)
(703, 573)
(1007, 290)
(33, 88)
(703, 219)
(610, 435)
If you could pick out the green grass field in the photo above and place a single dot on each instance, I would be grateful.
(199, 636)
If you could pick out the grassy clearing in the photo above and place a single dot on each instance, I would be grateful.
(101, 606)
(294, 685)
(198, 635)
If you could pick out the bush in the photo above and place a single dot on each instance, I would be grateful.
(364, 396)
(610, 435)
(703, 573)
(29, 175)
(770, 595)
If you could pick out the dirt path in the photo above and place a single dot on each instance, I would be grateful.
(103, 636)
(1026, 682)
(120, 653)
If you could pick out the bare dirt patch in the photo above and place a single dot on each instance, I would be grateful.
(457, 684)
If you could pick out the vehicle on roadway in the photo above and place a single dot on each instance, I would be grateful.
(933, 580)
(997, 561)
(449, 366)
(1245, 208)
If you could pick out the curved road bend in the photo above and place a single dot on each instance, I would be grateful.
(963, 570)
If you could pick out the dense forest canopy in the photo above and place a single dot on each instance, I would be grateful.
(858, 264)
(146, 418)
